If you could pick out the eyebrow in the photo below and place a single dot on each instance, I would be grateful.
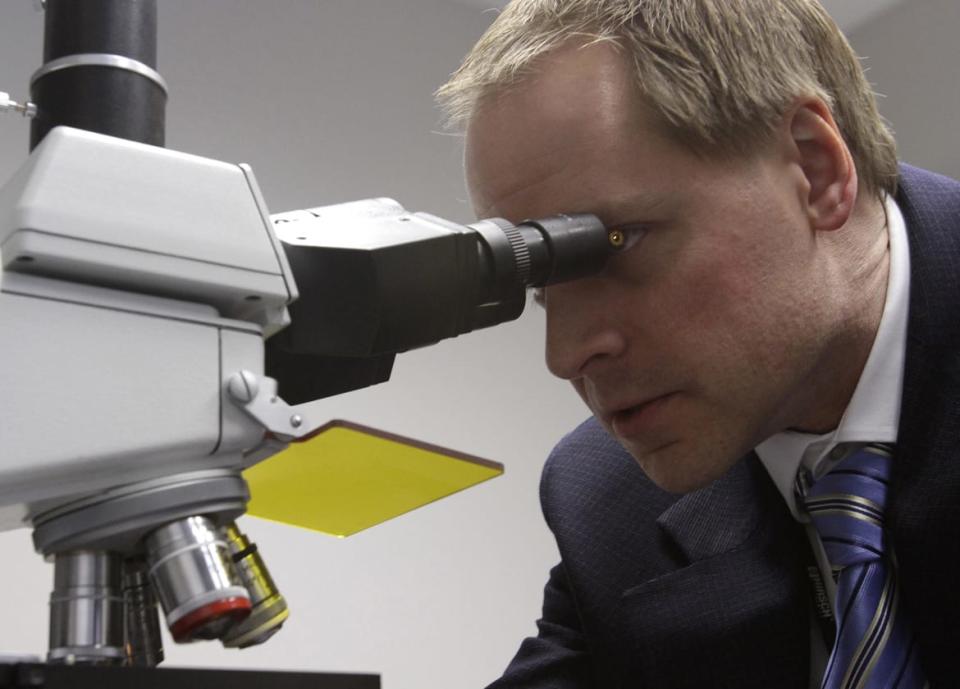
(629, 210)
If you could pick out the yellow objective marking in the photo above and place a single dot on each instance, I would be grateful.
(348, 477)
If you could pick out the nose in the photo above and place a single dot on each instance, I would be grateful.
(583, 327)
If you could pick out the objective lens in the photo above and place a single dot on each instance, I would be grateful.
(269, 606)
(86, 609)
(194, 577)
(144, 644)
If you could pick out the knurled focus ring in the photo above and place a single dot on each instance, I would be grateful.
(521, 253)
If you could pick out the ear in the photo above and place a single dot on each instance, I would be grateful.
(826, 163)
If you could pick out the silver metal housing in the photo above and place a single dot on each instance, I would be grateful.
(86, 609)
(134, 282)
(194, 577)
(144, 644)
(270, 609)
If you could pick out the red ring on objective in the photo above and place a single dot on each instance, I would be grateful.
(235, 607)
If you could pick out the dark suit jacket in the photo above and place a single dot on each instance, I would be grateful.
(709, 589)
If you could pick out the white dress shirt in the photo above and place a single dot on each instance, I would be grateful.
(872, 415)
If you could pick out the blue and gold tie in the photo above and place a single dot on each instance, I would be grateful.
(874, 645)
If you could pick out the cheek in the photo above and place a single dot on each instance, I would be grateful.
(735, 308)
(713, 291)
(741, 272)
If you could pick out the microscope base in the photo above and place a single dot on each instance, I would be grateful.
(43, 676)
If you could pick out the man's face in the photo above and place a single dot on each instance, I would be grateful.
(702, 337)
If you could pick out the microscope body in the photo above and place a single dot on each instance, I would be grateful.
(135, 282)
(155, 267)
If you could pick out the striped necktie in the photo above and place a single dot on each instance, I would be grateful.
(874, 645)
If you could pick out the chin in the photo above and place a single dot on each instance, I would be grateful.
(674, 470)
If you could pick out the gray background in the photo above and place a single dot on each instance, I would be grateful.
(330, 100)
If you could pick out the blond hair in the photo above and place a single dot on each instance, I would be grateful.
(720, 74)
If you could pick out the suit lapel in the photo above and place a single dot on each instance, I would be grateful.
(736, 614)
(715, 519)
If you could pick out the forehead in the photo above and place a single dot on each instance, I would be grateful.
(577, 126)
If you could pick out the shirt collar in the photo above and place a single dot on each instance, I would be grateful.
(874, 409)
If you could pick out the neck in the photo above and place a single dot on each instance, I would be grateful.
(859, 272)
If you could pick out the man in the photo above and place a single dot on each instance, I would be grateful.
(786, 297)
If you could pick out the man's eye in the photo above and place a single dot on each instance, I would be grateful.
(625, 237)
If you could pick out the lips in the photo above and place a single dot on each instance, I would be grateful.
(639, 419)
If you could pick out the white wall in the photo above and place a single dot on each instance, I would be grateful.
(913, 56)
(330, 100)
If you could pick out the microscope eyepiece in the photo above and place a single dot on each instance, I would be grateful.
(375, 280)
(566, 247)
(534, 253)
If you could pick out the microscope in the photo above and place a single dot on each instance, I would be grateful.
(161, 332)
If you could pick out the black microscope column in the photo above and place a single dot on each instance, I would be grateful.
(81, 86)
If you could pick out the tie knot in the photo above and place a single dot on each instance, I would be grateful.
(847, 504)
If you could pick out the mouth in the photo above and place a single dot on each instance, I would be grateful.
(631, 422)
